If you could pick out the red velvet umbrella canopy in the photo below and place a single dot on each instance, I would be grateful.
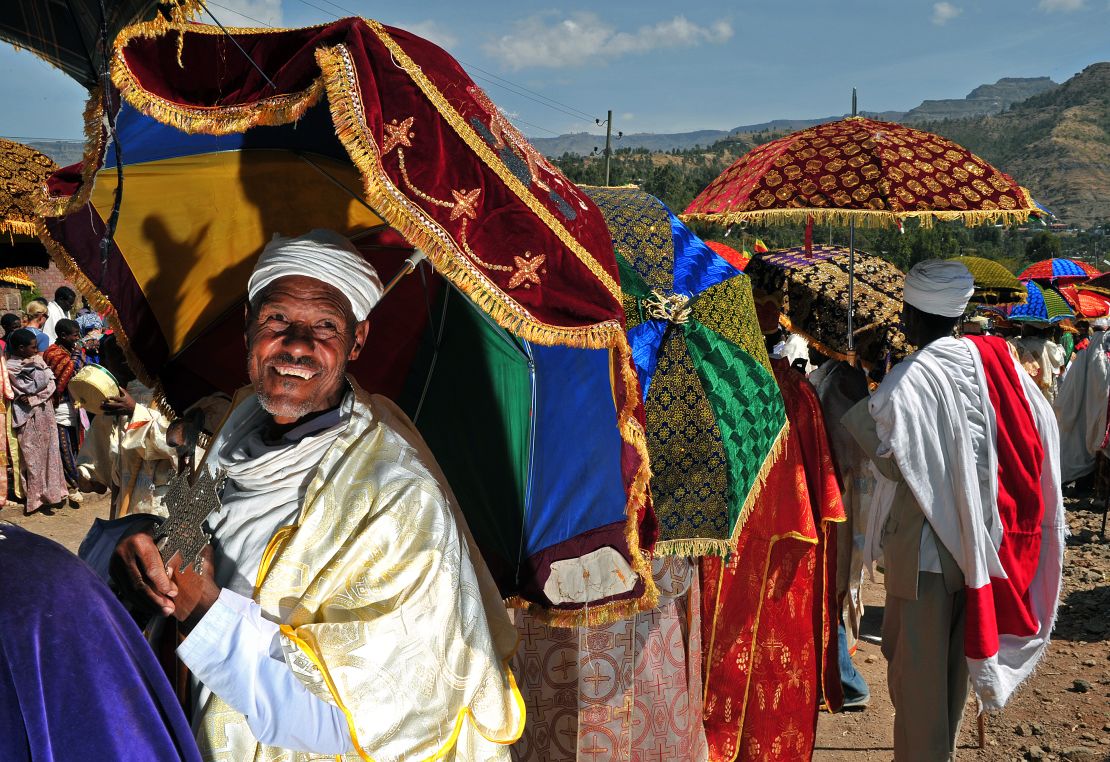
(381, 135)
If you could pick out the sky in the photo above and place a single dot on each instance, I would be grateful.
(673, 67)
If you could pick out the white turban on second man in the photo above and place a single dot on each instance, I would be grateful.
(939, 287)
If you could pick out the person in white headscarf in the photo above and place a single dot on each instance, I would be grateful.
(343, 609)
(960, 428)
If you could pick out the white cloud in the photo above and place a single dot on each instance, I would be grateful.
(945, 12)
(583, 38)
(1066, 6)
(433, 31)
(247, 12)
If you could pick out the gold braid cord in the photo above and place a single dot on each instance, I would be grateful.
(338, 81)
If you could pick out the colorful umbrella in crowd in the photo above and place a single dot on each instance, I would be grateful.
(994, 284)
(859, 170)
(1058, 270)
(715, 417)
(1086, 304)
(1042, 305)
(732, 256)
(519, 374)
(23, 175)
(813, 288)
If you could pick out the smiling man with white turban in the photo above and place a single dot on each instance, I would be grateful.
(973, 541)
(343, 609)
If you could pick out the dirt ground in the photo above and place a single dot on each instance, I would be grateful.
(1061, 713)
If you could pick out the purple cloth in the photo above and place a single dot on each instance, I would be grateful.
(77, 680)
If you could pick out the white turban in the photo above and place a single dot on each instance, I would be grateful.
(322, 255)
(1101, 323)
(939, 287)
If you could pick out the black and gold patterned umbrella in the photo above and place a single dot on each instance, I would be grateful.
(813, 288)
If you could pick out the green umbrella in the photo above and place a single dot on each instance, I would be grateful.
(715, 417)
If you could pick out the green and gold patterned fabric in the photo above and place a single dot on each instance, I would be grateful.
(715, 417)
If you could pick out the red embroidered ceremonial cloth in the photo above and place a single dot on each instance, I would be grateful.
(769, 613)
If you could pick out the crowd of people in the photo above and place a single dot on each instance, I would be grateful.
(343, 609)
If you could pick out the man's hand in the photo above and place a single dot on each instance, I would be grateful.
(143, 568)
(123, 404)
(196, 593)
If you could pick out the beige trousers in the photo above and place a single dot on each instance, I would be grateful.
(923, 642)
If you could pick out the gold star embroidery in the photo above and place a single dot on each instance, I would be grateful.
(397, 134)
(465, 204)
(527, 271)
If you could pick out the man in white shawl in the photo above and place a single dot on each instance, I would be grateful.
(343, 609)
(973, 540)
(1081, 405)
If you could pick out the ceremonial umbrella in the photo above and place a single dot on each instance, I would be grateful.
(715, 417)
(14, 276)
(994, 284)
(1059, 270)
(813, 287)
(1085, 303)
(1043, 304)
(864, 171)
(76, 35)
(730, 255)
(520, 377)
(23, 175)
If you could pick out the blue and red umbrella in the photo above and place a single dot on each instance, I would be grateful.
(1058, 269)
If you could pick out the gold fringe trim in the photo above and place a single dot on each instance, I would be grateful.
(864, 217)
(704, 546)
(18, 227)
(479, 146)
(95, 143)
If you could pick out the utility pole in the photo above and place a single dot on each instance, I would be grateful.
(608, 141)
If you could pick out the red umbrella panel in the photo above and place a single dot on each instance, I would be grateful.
(520, 376)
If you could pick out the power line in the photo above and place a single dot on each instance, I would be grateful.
(491, 78)
(239, 13)
(490, 81)
(580, 113)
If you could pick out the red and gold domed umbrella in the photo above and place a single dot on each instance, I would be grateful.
(864, 171)
(861, 170)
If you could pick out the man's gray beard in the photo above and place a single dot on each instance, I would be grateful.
(295, 412)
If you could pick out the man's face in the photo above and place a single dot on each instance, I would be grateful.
(69, 340)
(26, 351)
(66, 302)
(298, 346)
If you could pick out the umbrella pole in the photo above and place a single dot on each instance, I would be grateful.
(851, 291)
(410, 265)
(852, 272)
